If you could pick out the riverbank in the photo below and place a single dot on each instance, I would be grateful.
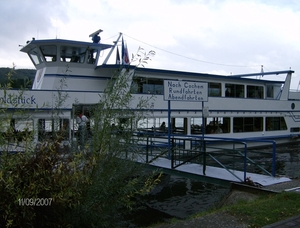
(221, 218)
(218, 219)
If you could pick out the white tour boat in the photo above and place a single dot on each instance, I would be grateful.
(245, 106)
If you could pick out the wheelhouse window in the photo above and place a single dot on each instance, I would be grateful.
(234, 90)
(73, 54)
(49, 53)
(247, 124)
(275, 124)
(35, 56)
(92, 56)
(214, 89)
(255, 92)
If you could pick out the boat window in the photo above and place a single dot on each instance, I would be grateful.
(177, 125)
(134, 87)
(152, 124)
(214, 89)
(217, 125)
(23, 125)
(35, 56)
(196, 127)
(147, 85)
(247, 124)
(92, 56)
(72, 54)
(295, 129)
(51, 128)
(49, 52)
(234, 90)
(17, 129)
(137, 84)
(17, 124)
(5, 125)
(255, 92)
(270, 91)
(152, 89)
(275, 124)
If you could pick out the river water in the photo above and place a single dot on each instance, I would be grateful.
(288, 160)
(181, 197)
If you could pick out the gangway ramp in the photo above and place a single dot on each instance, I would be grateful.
(217, 173)
(226, 160)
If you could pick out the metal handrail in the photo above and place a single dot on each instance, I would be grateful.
(200, 146)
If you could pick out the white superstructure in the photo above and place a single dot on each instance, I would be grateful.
(238, 106)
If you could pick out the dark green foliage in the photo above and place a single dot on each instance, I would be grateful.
(267, 209)
(42, 173)
(21, 78)
(93, 187)
(116, 183)
(116, 179)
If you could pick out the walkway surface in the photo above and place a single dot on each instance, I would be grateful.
(290, 222)
(215, 172)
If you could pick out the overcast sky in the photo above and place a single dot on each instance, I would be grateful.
(209, 36)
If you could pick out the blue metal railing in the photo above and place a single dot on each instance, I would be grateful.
(190, 148)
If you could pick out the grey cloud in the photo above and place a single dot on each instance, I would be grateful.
(22, 20)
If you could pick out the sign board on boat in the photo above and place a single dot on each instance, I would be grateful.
(185, 91)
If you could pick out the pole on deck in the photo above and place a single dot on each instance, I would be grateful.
(203, 146)
(169, 130)
(112, 49)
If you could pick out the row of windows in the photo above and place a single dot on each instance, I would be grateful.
(48, 128)
(155, 86)
(245, 124)
(67, 54)
(252, 124)
(215, 125)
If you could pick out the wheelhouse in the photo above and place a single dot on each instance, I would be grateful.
(44, 52)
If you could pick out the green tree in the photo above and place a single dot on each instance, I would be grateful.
(39, 171)
(117, 178)
(93, 187)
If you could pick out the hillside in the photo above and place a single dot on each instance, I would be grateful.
(20, 78)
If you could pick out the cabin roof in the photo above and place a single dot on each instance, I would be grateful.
(183, 74)
(264, 73)
(34, 43)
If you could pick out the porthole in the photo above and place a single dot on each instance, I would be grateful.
(293, 106)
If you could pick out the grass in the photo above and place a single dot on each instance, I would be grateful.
(264, 210)
(267, 209)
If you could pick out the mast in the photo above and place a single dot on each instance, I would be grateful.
(286, 87)
(112, 49)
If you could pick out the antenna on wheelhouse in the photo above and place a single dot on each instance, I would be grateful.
(262, 70)
(95, 36)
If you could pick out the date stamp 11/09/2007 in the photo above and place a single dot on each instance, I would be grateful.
(39, 202)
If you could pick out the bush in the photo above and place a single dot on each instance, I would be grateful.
(58, 178)
(91, 188)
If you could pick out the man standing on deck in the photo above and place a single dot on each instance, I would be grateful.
(82, 129)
